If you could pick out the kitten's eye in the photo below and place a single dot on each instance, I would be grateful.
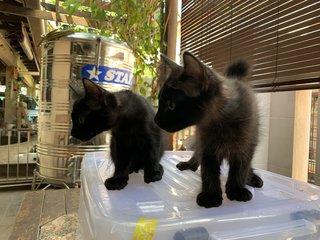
(171, 105)
(81, 120)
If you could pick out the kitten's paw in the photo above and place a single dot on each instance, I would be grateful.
(239, 194)
(154, 175)
(255, 181)
(209, 199)
(116, 183)
(185, 166)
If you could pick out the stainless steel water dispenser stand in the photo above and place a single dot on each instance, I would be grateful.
(72, 179)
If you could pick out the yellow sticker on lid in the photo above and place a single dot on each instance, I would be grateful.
(145, 229)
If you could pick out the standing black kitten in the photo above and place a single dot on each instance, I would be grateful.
(224, 110)
(136, 141)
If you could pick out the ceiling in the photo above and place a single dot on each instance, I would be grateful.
(11, 31)
(16, 15)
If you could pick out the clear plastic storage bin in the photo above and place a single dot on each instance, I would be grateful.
(283, 209)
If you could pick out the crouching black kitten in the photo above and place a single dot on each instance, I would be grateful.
(136, 141)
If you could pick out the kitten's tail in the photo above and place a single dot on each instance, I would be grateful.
(239, 69)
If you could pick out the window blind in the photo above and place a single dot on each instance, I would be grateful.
(280, 38)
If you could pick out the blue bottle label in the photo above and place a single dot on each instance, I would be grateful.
(106, 74)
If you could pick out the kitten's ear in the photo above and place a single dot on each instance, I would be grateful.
(170, 63)
(193, 67)
(167, 67)
(110, 101)
(94, 94)
(92, 89)
(194, 72)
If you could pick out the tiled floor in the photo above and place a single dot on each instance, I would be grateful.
(10, 202)
(47, 215)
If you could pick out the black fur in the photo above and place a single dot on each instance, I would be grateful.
(238, 70)
(136, 141)
(224, 110)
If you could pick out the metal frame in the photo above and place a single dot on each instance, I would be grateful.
(72, 172)
(17, 159)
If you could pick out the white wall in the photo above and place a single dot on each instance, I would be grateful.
(282, 109)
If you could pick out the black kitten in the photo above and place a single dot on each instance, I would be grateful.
(224, 110)
(136, 141)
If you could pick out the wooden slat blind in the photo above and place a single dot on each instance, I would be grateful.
(280, 37)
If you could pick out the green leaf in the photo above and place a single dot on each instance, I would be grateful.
(143, 91)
